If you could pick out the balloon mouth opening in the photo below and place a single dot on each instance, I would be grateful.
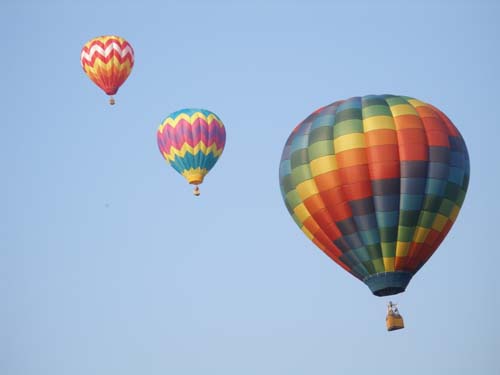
(389, 291)
(388, 283)
(110, 90)
(194, 177)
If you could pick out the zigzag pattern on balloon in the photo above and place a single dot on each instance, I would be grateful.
(188, 149)
(114, 58)
(189, 161)
(183, 170)
(112, 63)
(191, 171)
(113, 66)
(97, 51)
(192, 134)
(173, 121)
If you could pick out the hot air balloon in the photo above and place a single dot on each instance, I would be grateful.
(107, 61)
(191, 141)
(376, 182)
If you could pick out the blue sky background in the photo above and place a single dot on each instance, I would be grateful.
(109, 265)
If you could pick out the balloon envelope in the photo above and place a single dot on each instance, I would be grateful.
(107, 61)
(376, 182)
(192, 140)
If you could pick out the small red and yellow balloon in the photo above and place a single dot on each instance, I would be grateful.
(107, 61)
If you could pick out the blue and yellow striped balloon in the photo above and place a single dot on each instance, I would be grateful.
(192, 140)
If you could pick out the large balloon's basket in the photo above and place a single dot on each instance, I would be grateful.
(394, 320)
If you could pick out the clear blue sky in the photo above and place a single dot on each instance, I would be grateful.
(109, 265)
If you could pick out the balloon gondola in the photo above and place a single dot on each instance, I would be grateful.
(393, 320)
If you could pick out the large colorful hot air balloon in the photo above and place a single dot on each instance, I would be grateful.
(108, 61)
(376, 182)
(192, 140)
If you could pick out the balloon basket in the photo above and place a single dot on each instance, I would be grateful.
(394, 323)
(394, 320)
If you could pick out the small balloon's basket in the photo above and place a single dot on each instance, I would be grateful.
(196, 191)
(394, 320)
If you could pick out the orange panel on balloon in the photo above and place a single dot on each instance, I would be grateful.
(411, 136)
(352, 157)
(426, 112)
(314, 203)
(382, 153)
(438, 138)
(340, 211)
(381, 137)
(414, 152)
(384, 170)
(323, 238)
(322, 217)
(332, 231)
(354, 174)
(327, 180)
(407, 122)
(333, 196)
(433, 123)
(358, 190)
(311, 225)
